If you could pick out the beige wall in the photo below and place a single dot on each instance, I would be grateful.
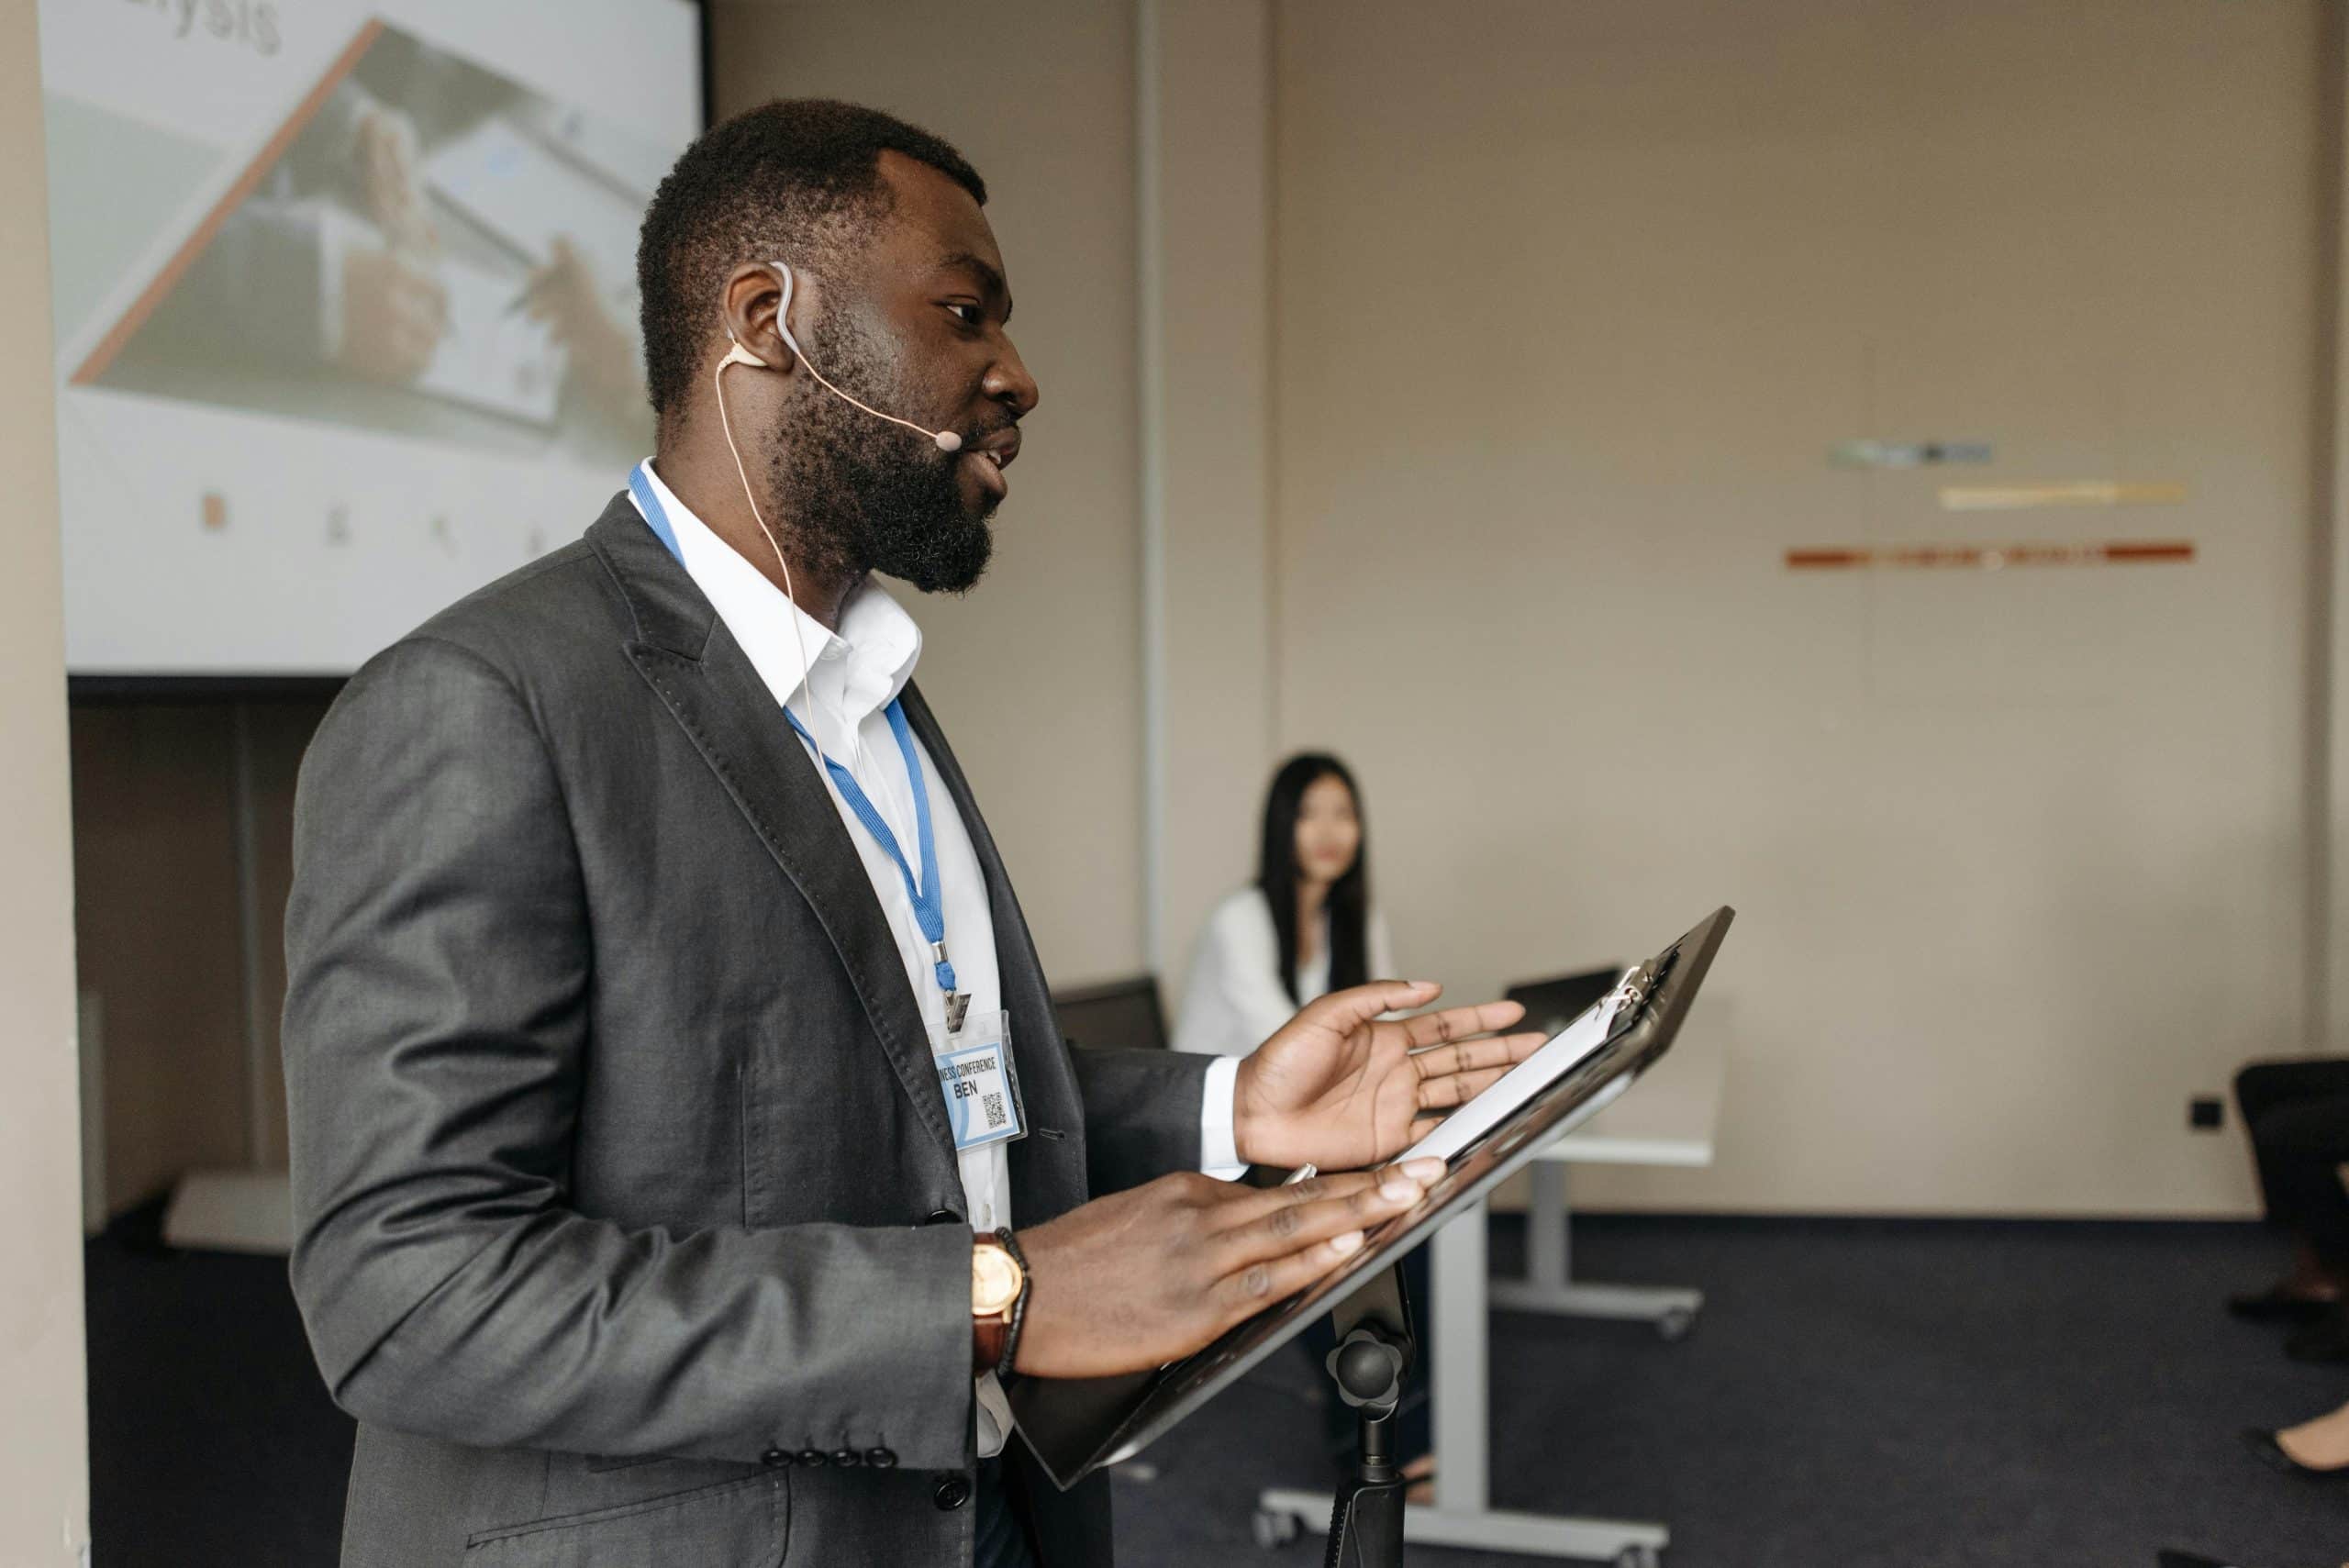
(1205, 113)
(1481, 377)
(1572, 304)
(45, 1495)
(2329, 583)
(1038, 674)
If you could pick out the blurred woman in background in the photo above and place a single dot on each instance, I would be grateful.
(1305, 928)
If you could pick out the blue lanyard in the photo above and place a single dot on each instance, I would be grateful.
(930, 909)
(640, 484)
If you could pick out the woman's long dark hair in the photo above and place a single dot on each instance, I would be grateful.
(1348, 903)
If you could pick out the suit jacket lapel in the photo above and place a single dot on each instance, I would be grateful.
(685, 654)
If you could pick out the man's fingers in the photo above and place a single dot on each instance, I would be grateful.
(1248, 1205)
(1459, 1023)
(1493, 1050)
(1252, 1289)
(1346, 1011)
(1351, 1201)
(1287, 1231)
(1458, 1088)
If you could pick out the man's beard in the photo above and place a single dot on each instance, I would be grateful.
(863, 495)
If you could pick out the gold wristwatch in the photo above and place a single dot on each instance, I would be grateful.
(997, 1279)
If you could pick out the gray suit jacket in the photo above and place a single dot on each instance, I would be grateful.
(627, 1221)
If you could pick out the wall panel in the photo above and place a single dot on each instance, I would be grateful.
(1573, 305)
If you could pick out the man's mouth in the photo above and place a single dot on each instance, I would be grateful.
(993, 456)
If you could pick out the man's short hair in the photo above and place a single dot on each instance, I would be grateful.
(798, 179)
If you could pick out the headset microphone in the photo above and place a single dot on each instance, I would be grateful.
(945, 440)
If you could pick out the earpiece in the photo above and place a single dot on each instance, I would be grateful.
(738, 355)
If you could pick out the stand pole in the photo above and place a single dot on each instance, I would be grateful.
(1374, 1352)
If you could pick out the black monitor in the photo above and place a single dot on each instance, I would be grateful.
(1552, 1005)
(1116, 1013)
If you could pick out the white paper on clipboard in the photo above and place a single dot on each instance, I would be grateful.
(1569, 1046)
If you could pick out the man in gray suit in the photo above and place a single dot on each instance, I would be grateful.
(669, 1060)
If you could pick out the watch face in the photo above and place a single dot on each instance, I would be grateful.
(995, 1280)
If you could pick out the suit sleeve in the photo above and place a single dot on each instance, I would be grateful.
(437, 1039)
(1141, 1113)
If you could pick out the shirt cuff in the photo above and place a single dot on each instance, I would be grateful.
(1218, 1146)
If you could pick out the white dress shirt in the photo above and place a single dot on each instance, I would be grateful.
(1233, 999)
(850, 678)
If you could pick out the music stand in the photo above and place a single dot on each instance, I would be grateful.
(1077, 1426)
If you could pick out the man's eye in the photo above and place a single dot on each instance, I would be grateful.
(969, 315)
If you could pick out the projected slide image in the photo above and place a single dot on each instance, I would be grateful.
(345, 308)
(421, 246)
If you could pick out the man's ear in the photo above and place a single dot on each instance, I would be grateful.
(749, 304)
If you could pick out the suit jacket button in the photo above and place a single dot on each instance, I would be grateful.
(944, 1217)
(847, 1458)
(812, 1457)
(776, 1458)
(953, 1493)
(881, 1458)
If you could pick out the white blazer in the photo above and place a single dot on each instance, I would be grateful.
(1232, 1000)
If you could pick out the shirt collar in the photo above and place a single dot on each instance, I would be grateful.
(876, 647)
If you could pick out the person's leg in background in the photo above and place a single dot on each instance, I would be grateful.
(2317, 1449)
(2303, 1144)
(2262, 1090)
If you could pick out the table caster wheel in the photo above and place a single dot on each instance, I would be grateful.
(1275, 1529)
(1639, 1557)
(1675, 1325)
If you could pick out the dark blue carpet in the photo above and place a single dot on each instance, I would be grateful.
(1910, 1395)
(1914, 1394)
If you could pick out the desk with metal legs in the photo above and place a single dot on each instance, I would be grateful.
(1667, 1118)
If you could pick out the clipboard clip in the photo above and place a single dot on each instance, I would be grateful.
(1629, 996)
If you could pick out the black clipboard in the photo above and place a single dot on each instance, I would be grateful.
(1076, 1426)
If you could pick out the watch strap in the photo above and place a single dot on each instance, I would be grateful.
(987, 1338)
(1018, 1314)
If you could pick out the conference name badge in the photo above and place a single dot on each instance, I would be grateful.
(980, 1086)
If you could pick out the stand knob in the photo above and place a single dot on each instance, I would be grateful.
(1369, 1370)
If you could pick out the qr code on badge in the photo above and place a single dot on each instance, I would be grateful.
(995, 1111)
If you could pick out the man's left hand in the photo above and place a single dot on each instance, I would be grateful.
(1342, 1087)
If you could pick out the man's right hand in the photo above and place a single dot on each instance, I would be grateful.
(1143, 1277)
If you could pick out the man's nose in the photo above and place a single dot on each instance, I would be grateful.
(1008, 383)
